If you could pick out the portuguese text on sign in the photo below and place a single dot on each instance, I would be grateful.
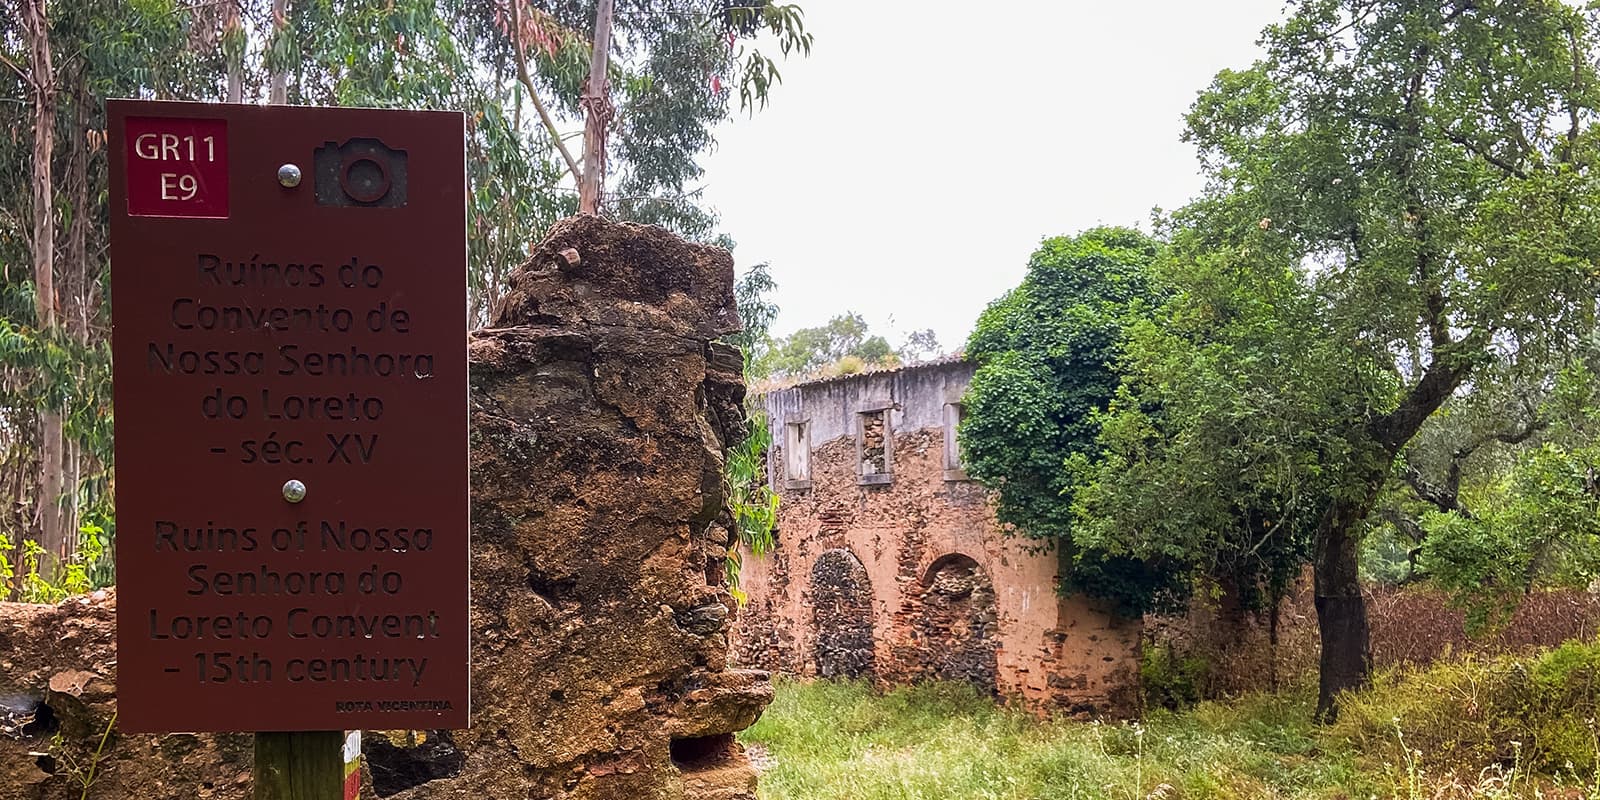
(291, 434)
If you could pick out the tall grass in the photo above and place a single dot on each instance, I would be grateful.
(829, 741)
(1509, 728)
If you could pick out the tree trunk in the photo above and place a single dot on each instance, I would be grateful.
(79, 289)
(597, 103)
(277, 75)
(1336, 566)
(1346, 660)
(77, 293)
(36, 23)
(230, 27)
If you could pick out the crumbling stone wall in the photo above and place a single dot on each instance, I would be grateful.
(841, 614)
(874, 446)
(601, 412)
(952, 596)
(58, 669)
(957, 622)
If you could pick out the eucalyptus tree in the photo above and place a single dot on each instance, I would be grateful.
(60, 61)
(683, 67)
(516, 67)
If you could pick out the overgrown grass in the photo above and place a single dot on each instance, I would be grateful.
(944, 742)
(1535, 714)
(1415, 736)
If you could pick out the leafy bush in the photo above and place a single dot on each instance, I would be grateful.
(753, 503)
(1536, 711)
(1047, 355)
(1170, 679)
(1537, 525)
(89, 568)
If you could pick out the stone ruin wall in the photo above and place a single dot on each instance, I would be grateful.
(601, 411)
(950, 595)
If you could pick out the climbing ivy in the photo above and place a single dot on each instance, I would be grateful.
(1046, 355)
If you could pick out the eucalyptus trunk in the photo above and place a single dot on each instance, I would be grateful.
(277, 71)
(36, 23)
(233, 51)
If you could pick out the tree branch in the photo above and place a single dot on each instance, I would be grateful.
(1355, 19)
(1293, 497)
(1534, 425)
(1459, 10)
(1443, 375)
(1572, 102)
(1409, 528)
(1447, 496)
(527, 83)
(27, 81)
(1478, 150)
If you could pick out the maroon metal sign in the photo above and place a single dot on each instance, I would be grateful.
(290, 378)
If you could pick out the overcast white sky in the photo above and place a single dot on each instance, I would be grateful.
(910, 165)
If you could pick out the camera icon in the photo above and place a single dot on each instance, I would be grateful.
(360, 172)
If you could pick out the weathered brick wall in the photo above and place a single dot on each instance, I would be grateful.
(957, 623)
(951, 596)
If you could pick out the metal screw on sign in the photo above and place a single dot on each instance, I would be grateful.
(294, 491)
(289, 175)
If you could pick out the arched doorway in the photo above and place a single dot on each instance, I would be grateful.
(959, 626)
(841, 615)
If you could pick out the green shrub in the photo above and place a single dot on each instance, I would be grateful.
(1170, 679)
(1536, 711)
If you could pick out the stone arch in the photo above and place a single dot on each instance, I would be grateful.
(958, 625)
(841, 615)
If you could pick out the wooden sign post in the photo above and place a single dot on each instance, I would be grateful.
(289, 350)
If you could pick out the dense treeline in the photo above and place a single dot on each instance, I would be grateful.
(1373, 332)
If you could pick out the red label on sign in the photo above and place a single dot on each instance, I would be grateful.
(177, 167)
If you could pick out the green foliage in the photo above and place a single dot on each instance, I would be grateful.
(920, 346)
(1537, 525)
(88, 569)
(1386, 557)
(810, 350)
(1046, 355)
(1219, 445)
(1170, 679)
(459, 55)
(1529, 509)
(753, 503)
(678, 62)
(752, 296)
(1538, 711)
(100, 49)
